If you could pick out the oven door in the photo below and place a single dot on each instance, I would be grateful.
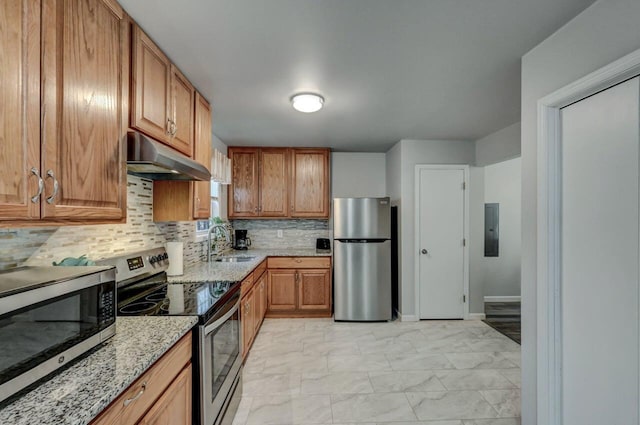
(220, 359)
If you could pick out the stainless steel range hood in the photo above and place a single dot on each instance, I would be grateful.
(150, 159)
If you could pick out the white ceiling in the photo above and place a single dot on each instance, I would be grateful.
(388, 69)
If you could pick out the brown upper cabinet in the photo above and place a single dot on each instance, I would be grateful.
(74, 58)
(202, 190)
(183, 200)
(279, 183)
(310, 183)
(163, 99)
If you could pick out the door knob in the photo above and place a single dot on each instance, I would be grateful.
(424, 251)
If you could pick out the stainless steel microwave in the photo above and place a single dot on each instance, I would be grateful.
(50, 316)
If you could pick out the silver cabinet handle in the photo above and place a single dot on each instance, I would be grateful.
(56, 187)
(137, 396)
(169, 126)
(424, 251)
(173, 128)
(35, 198)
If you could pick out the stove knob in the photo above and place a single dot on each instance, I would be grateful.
(152, 260)
(165, 256)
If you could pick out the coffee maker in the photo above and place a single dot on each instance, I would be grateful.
(241, 241)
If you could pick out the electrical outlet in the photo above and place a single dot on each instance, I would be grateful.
(280, 234)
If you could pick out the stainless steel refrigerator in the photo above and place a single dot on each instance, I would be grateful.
(362, 259)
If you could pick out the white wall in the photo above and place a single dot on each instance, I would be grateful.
(502, 184)
(358, 174)
(499, 146)
(413, 152)
(603, 33)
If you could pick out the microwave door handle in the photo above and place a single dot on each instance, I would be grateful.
(215, 325)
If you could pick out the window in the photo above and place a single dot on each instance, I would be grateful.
(215, 199)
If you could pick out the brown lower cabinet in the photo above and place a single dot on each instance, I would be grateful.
(253, 304)
(299, 287)
(162, 395)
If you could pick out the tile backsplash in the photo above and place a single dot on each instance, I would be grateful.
(297, 233)
(40, 246)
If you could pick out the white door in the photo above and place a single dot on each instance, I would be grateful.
(441, 249)
(599, 257)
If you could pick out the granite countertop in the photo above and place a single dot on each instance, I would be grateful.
(79, 393)
(235, 272)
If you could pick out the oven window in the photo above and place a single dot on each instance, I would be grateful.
(225, 348)
(39, 332)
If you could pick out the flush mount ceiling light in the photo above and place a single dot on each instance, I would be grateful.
(307, 102)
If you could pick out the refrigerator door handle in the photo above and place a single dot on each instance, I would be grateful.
(362, 240)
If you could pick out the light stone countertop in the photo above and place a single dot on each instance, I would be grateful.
(235, 272)
(79, 393)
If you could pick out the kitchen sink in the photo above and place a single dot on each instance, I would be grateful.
(240, 259)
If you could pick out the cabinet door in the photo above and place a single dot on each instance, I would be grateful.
(20, 112)
(274, 179)
(314, 289)
(243, 190)
(282, 290)
(310, 183)
(259, 302)
(246, 317)
(202, 154)
(182, 102)
(85, 84)
(174, 405)
(151, 71)
(256, 308)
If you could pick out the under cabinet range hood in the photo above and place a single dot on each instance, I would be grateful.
(152, 160)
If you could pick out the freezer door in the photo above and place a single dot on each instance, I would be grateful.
(362, 279)
(361, 218)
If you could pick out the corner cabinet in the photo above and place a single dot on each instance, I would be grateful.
(279, 183)
(202, 154)
(163, 99)
(175, 200)
(73, 57)
(299, 287)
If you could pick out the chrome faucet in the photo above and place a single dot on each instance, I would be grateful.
(212, 229)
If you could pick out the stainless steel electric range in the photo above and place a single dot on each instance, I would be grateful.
(143, 290)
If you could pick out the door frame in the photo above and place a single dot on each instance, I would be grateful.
(465, 169)
(549, 209)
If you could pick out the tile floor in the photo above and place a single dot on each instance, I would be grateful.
(316, 371)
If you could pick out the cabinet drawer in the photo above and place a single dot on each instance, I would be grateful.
(246, 285)
(299, 262)
(257, 273)
(136, 400)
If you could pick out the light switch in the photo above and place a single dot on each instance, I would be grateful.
(279, 233)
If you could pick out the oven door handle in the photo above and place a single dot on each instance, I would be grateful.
(215, 325)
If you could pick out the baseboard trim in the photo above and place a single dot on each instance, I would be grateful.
(505, 299)
(408, 317)
(477, 316)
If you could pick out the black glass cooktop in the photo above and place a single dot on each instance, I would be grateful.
(156, 297)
